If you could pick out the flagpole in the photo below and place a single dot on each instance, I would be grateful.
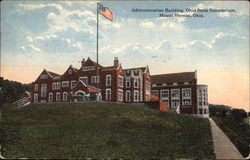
(97, 29)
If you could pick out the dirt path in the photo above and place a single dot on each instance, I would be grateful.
(223, 147)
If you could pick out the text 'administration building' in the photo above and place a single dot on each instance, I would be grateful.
(113, 83)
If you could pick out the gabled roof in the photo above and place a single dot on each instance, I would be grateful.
(89, 61)
(89, 87)
(173, 77)
(52, 74)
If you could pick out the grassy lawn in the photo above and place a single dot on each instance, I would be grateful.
(102, 130)
(237, 132)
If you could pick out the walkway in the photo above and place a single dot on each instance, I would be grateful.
(223, 147)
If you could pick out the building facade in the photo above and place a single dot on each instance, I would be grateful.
(113, 83)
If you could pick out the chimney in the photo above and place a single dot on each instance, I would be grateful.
(116, 62)
(83, 62)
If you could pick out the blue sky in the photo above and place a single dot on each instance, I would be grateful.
(54, 34)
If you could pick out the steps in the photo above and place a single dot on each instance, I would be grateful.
(24, 101)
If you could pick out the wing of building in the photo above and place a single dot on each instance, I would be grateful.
(113, 83)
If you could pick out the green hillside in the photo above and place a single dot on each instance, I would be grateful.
(102, 130)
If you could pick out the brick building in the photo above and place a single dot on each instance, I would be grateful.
(113, 83)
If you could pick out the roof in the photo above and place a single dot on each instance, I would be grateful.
(173, 77)
(53, 74)
(142, 68)
(75, 69)
(110, 68)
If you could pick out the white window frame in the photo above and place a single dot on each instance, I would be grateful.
(94, 79)
(186, 89)
(108, 96)
(35, 98)
(84, 79)
(120, 81)
(138, 82)
(88, 68)
(43, 90)
(43, 76)
(128, 82)
(65, 96)
(108, 80)
(56, 86)
(165, 90)
(166, 101)
(71, 84)
(36, 87)
(128, 96)
(50, 97)
(63, 84)
(187, 104)
(175, 97)
(138, 96)
(120, 95)
(176, 104)
(155, 91)
(148, 88)
(58, 98)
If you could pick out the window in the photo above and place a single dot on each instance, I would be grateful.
(108, 94)
(147, 87)
(128, 83)
(43, 90)
(43, 76)
(164, 94)
(50, 97)
(128, 95)
(73, 84)
(70, 71)
(155, 92)
(56, 86)
(36, 87)
(108, 80)
(95, 79)
(165, 101)
(120, 95)
(120, 81)
(175, 93)
(175, 103)
(88, 68)
(35, 98)
(205, 111)
(65, 96)
(136, 96)
(136, 83)
(84, 79)
(58, 96)
(65, 84)
(200, 111)
(186, 92)
(186, 102)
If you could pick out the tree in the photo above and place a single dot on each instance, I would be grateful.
(238, 114)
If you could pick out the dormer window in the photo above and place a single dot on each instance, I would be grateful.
(70, 71)
(44, 76)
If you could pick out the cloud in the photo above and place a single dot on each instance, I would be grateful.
(30, 48)
(28, 7)
(150, 25)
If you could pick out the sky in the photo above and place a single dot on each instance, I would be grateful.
(37, 35)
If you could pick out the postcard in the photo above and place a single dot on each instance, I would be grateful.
(124, 79)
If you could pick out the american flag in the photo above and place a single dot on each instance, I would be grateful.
(106, 12)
